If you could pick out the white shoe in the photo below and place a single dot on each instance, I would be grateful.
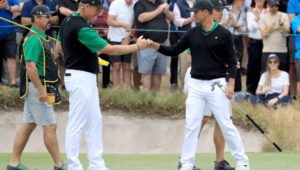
(242, 167)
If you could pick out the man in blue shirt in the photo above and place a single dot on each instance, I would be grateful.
(8, 44)
(28, 6)
(293, 9)
(296, 31)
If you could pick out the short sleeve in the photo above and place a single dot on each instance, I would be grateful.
(32, 49)
(285, 78)
(262, 80)
(89, 37)
(26, 10)
(138, 9)
(15, 2)
(113, 8)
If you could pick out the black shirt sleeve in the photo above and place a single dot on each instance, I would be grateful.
(138, 9)
(230, 59)
(177, 48)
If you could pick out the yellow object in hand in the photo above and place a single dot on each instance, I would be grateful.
(102, 62)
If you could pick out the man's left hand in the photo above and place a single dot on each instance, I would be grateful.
(229, 91)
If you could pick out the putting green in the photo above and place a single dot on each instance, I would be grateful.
(259, 161)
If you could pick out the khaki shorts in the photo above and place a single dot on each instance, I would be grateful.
(40, 113)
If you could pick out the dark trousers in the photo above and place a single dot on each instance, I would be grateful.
(238, 43)
(105, 71)
(174, 60)
(254, 65)
(264, 99)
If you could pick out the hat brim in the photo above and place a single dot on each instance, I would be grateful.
(192, 9)
(48, 13)
(273, 3)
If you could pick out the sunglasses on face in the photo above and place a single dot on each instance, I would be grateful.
(219, 9)
(45, 16)
(274, 6)
(272, 62)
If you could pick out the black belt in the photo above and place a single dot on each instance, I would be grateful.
(68, 74)
(206, 77)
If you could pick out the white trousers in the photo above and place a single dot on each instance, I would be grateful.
(84, 116)
(200, 93)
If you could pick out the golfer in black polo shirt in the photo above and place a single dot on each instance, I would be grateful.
(211, 47)
(80, 44)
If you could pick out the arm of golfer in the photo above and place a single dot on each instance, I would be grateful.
(231, 61)
(173, 50)
(125, 49)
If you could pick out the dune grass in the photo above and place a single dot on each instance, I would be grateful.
(259, 161)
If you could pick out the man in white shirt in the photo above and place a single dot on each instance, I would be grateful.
(120, 21)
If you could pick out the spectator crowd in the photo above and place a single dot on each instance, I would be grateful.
(265, 33)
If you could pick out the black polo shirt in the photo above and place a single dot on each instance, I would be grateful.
(158, 23)
(70, 4)
(211, 52)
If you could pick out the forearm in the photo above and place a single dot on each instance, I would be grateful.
(15, 9)
(259, 90)
(115, 23)
(231, 82)
(168, 50)
(148, 16)
(26, 21)
(65, 11)
(284, 92)
(120, 49)
(187, 21)
(170, 15)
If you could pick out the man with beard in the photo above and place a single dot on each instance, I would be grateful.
(37, 50)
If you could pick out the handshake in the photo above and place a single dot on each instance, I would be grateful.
(146, 43)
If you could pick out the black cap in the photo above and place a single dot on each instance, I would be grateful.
(218, 3)
(41, 10)
(201, 5)
(273, 2)
(96, 3)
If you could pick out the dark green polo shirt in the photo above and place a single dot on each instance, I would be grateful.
(33, 50)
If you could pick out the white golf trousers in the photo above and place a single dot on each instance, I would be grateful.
(200, 94)
(84, 116)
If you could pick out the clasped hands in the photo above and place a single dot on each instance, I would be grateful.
(146, 43)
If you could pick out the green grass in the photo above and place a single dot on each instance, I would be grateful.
(259, 161)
